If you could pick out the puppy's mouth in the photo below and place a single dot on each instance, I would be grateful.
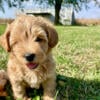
(32, 65)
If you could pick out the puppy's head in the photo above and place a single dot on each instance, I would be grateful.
(29, 39)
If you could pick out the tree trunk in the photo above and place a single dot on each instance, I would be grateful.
(57, 10)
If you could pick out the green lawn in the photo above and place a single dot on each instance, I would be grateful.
(77, 57)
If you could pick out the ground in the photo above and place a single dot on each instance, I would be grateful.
(77, 58)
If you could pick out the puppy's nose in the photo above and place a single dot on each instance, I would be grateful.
(29, 57)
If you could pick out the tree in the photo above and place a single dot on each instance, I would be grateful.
(58, 4)
(77, 4)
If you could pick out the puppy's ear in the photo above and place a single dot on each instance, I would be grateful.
(4, 39)
(52, 36)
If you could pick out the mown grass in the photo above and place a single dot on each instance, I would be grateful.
(77, 57)
(78, 61)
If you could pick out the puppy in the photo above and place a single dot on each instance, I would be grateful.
(29, 41)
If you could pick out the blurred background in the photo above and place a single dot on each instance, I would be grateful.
(65, 12)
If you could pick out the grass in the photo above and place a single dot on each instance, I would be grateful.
(78, 63)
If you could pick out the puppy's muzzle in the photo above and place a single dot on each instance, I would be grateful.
(29, 57)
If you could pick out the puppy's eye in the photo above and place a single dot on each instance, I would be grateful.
(38, 39)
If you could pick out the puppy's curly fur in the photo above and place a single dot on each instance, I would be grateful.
(29, 41)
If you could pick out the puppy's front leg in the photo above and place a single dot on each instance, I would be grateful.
(49, 87)
(19, 91)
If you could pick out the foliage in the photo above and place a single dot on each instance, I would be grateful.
(1, 6)
(77, 57)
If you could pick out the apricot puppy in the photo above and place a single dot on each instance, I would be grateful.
(29, 41)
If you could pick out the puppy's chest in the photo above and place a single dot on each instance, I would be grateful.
(33, 80)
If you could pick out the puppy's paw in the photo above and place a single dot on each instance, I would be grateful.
(47, 98)
(26, 98)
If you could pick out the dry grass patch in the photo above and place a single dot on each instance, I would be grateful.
(5, 21)
(87, 22)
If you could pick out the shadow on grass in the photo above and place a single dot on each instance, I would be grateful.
(67, 89)
(76, 89)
